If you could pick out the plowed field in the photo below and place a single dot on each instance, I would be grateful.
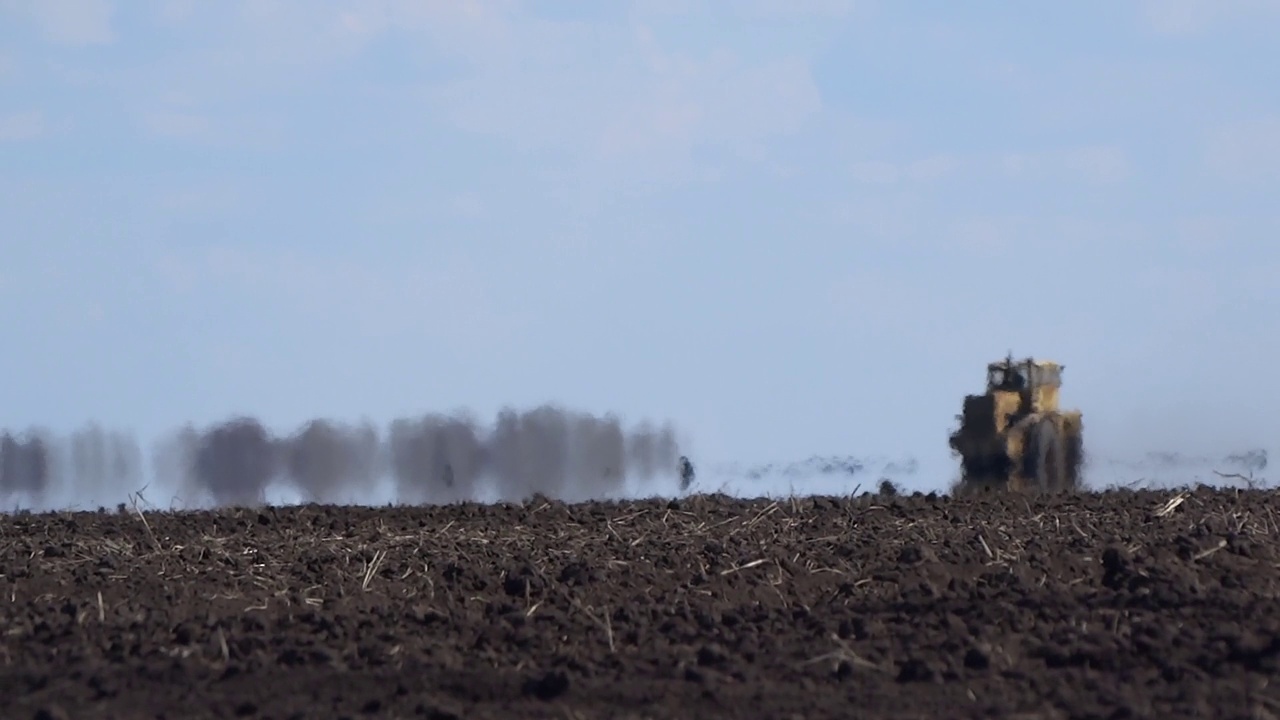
(1096, 606)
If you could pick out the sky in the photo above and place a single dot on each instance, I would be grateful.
(790, 227)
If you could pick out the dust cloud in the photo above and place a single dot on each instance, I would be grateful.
(433, 458)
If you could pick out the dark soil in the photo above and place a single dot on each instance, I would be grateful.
(1093, 606)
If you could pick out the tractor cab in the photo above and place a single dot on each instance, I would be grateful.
(1028, 374)
(1005, 375)
(1035, 383)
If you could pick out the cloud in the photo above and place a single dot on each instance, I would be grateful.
(807, 8)
(446, 297)
(176, 124)
(604, 100)
(181, 116)
(1186, 17)
(878, 172)
(752, 9)
(306, 30)
(865, 301)
(68, 22)
(175, 11)
(989, 236)
(1247, 150)
(1102, 164)
(1054, 238)
(1098, 164)
(199, 201)
(20, 126)
(1177, 17)
(888, 219)
(607, 93)
(613, 96)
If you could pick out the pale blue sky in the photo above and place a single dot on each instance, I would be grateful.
(790, 226)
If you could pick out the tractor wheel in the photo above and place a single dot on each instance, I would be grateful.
(1046, 458)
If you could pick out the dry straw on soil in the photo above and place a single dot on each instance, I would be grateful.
(1092, 604)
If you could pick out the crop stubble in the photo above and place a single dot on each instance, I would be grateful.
(1125, 604)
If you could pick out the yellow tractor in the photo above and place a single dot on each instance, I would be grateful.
(1014, 436)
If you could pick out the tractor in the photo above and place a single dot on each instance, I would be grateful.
(1014, 436)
